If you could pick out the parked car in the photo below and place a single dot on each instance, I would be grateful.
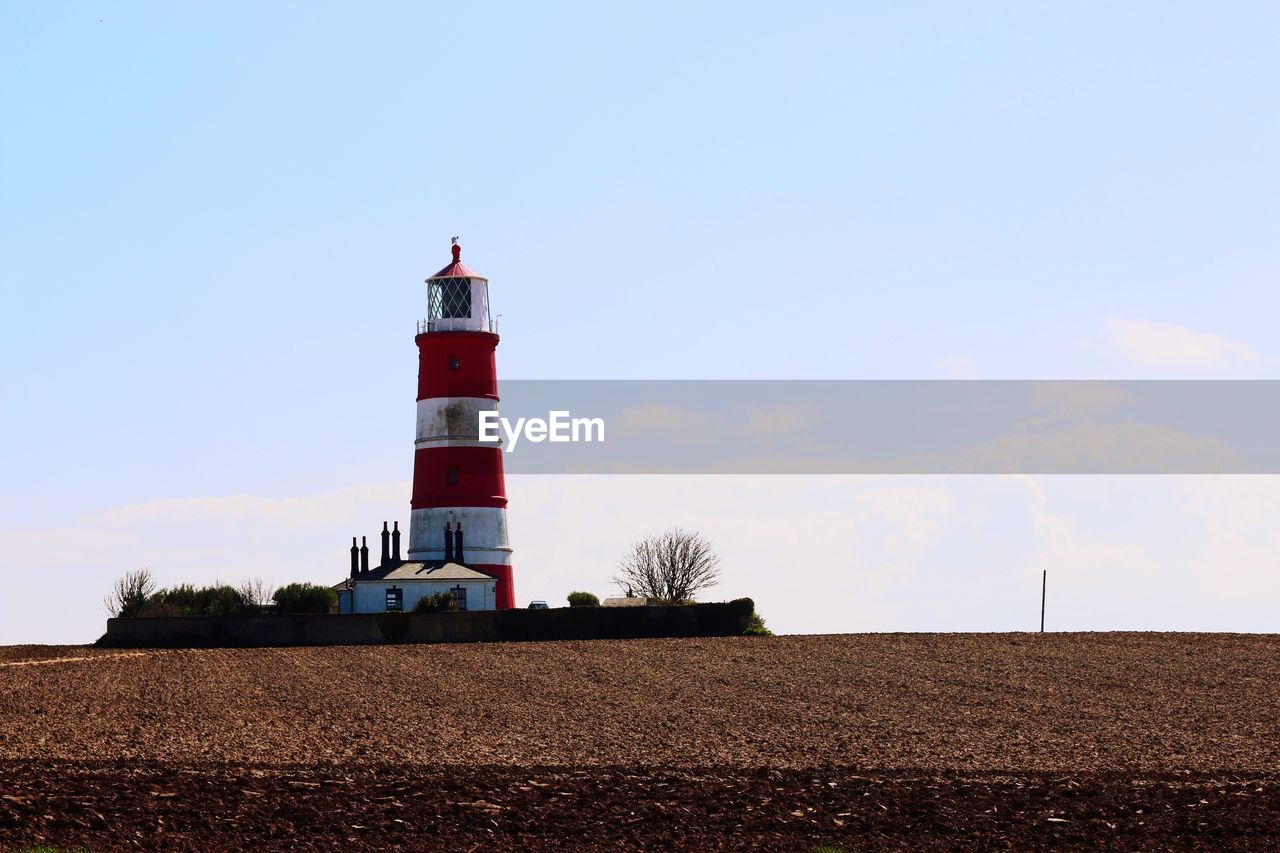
(537, 605)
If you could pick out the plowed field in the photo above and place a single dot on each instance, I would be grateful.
(859, 741)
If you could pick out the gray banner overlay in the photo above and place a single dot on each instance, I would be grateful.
(899, 427)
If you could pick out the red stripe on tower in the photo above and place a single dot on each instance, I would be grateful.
(457, 480)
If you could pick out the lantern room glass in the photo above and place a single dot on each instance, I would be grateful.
(458, 304)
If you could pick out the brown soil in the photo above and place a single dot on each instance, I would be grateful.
(791, 742)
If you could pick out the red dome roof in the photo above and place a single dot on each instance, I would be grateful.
(457, 269)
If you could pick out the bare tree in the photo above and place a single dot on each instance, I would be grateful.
(255, 592)
(130, 592)
(670, 567)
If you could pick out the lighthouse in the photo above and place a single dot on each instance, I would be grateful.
(459, 503)
(458, 522)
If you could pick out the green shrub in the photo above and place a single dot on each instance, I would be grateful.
(157, 605)
(187, 600)
(756, 627)
(133, 596)
(219, 600)
(435, 603)
(174, 601)
(583, 599)
(304, 598)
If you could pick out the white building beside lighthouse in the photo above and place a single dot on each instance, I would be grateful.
(396, 584)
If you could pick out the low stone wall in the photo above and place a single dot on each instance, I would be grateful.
(478, 626)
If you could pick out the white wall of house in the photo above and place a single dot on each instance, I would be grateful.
(371, 596)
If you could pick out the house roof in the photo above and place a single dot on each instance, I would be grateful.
(436, 570)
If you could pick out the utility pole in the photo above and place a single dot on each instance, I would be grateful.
(1044, 583)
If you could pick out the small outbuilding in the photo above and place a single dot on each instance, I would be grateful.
(400, 587)
(395, 584)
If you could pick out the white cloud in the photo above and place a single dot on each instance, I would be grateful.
(1238, 550)
(1168, 345)
(819, 554)
(673, 423)
(1192, 553)
(1092, 448)
(957, 367)
(1083, 398)
(193, 540)
(779, 421)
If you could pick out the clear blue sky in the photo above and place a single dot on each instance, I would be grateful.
(215, 218)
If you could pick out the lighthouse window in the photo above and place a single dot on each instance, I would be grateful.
(453, 475)
(395, 599)
(454, 362)
(450, 298)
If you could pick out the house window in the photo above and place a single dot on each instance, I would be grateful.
(460, 597)
(453, 475)
(395, 599)
(455, 363)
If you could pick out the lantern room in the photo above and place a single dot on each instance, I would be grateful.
(457, 299)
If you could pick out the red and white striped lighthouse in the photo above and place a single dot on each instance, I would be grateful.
(457, 481)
